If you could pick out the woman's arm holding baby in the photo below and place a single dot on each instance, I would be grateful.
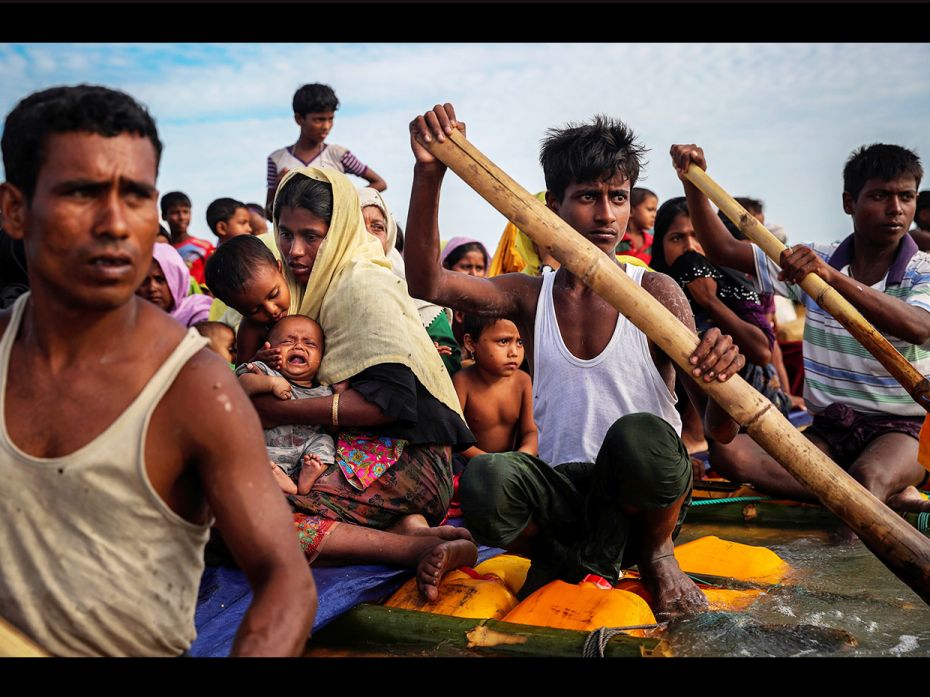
(352, 409)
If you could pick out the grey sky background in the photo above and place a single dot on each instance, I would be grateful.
(777, 121)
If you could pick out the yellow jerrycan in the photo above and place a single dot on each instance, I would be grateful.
(586, 606)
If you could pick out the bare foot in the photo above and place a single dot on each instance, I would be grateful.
(908, 500)
(416, 525)
(437, 560)
(286, 483)
(675, 594)
(310, 470)
(409, 524)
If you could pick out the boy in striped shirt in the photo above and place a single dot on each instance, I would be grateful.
(315, 111)
(863, 418)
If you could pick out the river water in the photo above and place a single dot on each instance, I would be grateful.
(839, 600)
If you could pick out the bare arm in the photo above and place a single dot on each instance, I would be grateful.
(751, 340)
(269, 203)
(529, 439)
(374, 180)
(719, 245)
(715, 358)
(354, 410)
(426, 279)
(227, 448)
(889, 314)
(256, 382)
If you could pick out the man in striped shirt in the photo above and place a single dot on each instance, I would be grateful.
(863, 418)
(315, 111)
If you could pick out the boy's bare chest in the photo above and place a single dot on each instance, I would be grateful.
(53, 416)
(494, 406)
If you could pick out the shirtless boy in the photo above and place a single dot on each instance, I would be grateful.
(295, 449)
(576, 519)
(496, 396)
(114, 489)
(863, 418)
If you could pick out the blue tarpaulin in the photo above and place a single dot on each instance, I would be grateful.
(225, 596)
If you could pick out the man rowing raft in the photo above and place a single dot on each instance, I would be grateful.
(604, 394)
(863, 418)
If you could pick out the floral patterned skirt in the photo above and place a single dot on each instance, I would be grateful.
(419, 482)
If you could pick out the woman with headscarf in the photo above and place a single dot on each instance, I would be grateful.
(168, 285)
(435, 319)
(399, 391)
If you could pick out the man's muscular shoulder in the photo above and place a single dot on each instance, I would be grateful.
(669, 293)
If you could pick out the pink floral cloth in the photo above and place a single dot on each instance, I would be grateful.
(363, 458)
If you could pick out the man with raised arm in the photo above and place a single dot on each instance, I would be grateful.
(613, 479)
(863, 418)
(122, 437)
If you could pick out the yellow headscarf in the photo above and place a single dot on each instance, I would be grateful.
(366, 314)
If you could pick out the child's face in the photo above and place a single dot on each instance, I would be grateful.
(178, 218)
(471, 263)
(643, 216)
(499, 349)
(155, 289)
(223, 342)
(315, 125)
(301, 342)
(264, 298)
(238, 224)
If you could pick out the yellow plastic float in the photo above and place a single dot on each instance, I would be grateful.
(585, 606)
(460, 595)
(489, 590)
(715, 557)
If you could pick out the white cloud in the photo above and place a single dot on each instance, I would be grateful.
(777, 120)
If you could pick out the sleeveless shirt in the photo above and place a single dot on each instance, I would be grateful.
(576, 401)
(93, 561)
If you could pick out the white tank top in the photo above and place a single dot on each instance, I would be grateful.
(575, 402)
(92, 561)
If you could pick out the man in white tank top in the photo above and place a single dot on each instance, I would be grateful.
(622, 478)
(121, 437)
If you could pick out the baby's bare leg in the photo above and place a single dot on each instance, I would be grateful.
(286, 483)
(310, 470)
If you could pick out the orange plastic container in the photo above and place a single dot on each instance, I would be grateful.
(584, 606)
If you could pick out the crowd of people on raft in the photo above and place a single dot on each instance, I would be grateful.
(401, 382)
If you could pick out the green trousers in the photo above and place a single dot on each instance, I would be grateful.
(578, 506)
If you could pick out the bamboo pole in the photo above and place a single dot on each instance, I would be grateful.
(898, 545)
(376, 626)
(824, 295)
(14, 643)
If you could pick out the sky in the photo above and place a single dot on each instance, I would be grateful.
(776, 121)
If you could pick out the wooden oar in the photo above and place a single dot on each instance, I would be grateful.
(898, 545)
(14, 643)
(825, 296)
